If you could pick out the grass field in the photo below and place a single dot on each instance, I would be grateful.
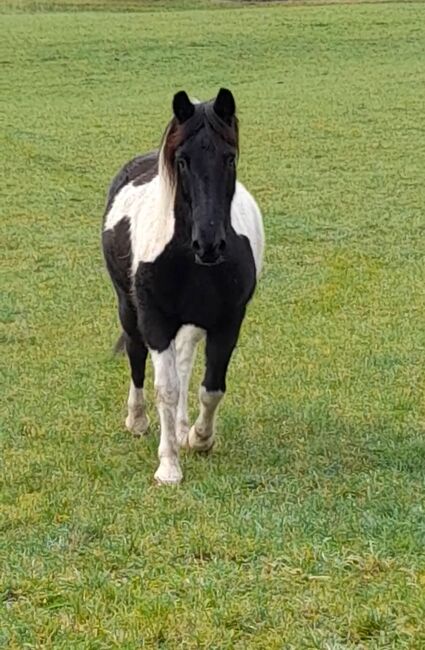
(306, 526)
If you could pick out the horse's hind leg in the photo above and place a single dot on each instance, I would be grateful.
(220, 345)
(187, 339)
(136, 421)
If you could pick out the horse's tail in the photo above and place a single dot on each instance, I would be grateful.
(119, 347)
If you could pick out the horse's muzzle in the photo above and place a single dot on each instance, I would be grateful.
(208, 260)
(210, 254)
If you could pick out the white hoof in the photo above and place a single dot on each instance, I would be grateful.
(199, 442)
(138, 424)
(182, 433)
(168, 472)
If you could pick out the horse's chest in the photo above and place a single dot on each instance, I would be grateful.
(190, 293)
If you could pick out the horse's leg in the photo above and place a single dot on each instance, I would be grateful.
(136, 421)
(220, 345)
(186, 342)
(167, 395)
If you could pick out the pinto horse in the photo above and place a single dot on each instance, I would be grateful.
(183, 243)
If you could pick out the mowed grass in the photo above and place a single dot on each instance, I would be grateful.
(306, 526)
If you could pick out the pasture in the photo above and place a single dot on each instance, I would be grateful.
(306, 526)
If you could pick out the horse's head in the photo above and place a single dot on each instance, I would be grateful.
(199, 152)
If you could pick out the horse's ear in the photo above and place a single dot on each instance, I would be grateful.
(224, 105)
(183, 108)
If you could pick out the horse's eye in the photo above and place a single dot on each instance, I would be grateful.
(231, 160)
(182, 164)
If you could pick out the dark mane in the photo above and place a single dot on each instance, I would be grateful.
(176, 133)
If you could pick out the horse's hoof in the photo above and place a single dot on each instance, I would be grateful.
(199, 443)
(138, 425)
(168, 473)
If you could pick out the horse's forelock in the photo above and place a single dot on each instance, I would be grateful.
(176, 134)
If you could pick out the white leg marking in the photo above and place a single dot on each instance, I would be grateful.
(167, 395)
(187, 339)
(136, 421)
(201, 435)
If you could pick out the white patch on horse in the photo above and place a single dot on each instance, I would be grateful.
(201, 435)
(150, 211)
(187, 340)
(136, 421)
(167, 395)
(246, 220)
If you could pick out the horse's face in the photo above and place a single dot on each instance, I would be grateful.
(205, 167)
(207, 176)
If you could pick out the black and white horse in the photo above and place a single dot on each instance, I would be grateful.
(183, 243)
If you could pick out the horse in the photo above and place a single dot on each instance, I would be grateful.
(183, 244)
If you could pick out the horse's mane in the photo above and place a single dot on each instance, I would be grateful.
(176, 133)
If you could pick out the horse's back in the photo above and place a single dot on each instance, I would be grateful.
(116, 236)
(139, 170)
(247, 220)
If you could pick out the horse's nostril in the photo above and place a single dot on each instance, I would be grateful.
(222, 245)
(195, 245)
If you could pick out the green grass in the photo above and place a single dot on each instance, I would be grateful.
(8, 6)
(306, 526)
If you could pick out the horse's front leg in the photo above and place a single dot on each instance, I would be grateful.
(219, 348)
(187, 339)
(167, 395)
